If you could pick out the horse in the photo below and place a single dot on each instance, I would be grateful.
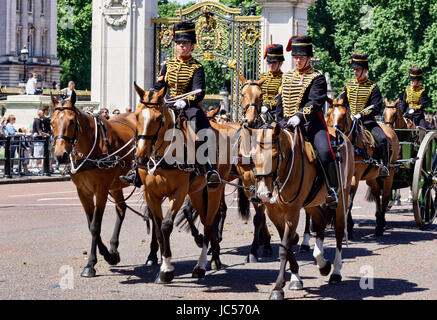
(279, 154)
(154, 121)
(98, 152)
(394, 118)
(366, 169)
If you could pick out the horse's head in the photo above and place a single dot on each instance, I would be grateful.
(265, 152)
(338, 115)
(251, 98)
(65, 125)
(150, 119)
(211, 114)
(391, 112)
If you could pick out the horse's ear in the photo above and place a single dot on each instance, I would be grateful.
(386, 101)
(54, 100)
(243, 80)
(261, 81)
(397, 101)
(73, 97)
(330, 101)
(139, 90)
(161, 93)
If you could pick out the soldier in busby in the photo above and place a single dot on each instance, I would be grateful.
(364, 100)
(274, 54)
(300, 102)
(415, 98)
(184, 74)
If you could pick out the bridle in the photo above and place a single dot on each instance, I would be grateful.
(72, 140)
(154, 136)
(251, 104)
(391, 123)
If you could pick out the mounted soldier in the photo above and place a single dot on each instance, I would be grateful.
(415, 99)
(181, 75)
(300, 102)
(364, 100)
(274, 54)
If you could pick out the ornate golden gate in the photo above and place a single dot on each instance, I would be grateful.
(224, 37)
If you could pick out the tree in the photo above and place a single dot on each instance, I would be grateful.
(74, 42)
(396, 34)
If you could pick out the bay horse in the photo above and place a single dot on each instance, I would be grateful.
(98, 152)
(366, 169)
(287, 180)
(154, 123)
(393, 116)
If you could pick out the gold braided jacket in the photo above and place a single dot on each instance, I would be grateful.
(179, 75)
(358, 93)
(413, 96)
(270, 87)
(293, 88)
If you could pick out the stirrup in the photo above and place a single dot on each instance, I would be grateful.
(332, 199)
(383, 172)
(213, 179)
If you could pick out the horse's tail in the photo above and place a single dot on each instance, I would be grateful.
(243, 203)
(369, 195)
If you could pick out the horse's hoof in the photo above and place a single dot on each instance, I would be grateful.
(88, 272)
(295, 239)
(277, 295)
(267, 252)
(251, 258)
(216, 264)
(304, 248)
(334, 279)
(198, 273)
(164, 277)
(326, 269)
(296, 285)
(151, 262)
(397, 203)
(113, 259)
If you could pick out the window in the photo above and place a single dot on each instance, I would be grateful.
(43, 6)
(29, 5)
(18, 5)
(18, 42)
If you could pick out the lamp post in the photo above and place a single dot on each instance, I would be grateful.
(24, 57)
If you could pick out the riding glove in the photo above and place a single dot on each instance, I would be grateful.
(293, 121)
(180, 104)
(357, 116)
(264, 109)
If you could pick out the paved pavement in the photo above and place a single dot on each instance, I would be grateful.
(44, 243)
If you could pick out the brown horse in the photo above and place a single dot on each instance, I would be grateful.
(287, 180)
(157, 135)
(365, 168)
(251, 98)
(393, 116)
(98, 152)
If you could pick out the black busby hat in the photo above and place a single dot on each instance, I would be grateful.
(184, 31)
(415, 74)
(360, 60)
(274, 53)
(300, 46)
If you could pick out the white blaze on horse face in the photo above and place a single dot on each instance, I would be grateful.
(61, 115)
(146, 120)
(336, 116)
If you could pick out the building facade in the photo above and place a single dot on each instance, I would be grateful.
(31, 24)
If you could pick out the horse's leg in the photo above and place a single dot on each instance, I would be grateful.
(318, 252)
(385, 198)
(379, 215)
(95, 226)
(86, 198)
(285, 250)
(221, 223)
(265, 236)
(258, 218)
(166, 272)
(152, 259)
(335, 277)
(120, 208)
(350, 204)
(305, 245)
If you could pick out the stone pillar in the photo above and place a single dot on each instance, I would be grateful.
(122, 51)
(279, 20)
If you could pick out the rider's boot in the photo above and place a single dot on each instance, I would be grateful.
(332, 185)
(383, 170)
(212, 176)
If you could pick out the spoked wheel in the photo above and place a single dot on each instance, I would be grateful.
(424, 187)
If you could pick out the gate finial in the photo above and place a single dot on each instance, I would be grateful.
(296, 27)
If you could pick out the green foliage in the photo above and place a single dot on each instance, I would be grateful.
(396, 34)
(168, 9)
(74, 42)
